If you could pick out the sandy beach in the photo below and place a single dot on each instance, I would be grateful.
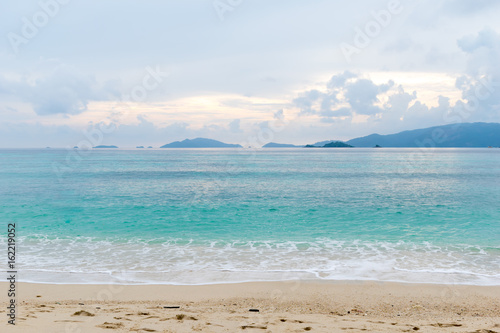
(294, 306)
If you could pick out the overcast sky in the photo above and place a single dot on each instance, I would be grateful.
(242, 71)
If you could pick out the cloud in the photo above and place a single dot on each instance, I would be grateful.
(400, 101)
(362, 95)
(346, 94)
(389, 106)
(480, 85)
(339, 80)
(293, 45)
(61, 93)
(483, 51)
(306, 100)
(467, 7)
(279, 115)
(57, 89)
(234, 126)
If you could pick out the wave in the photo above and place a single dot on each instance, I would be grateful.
(83, 260)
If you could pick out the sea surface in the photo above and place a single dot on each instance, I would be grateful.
(200, 216)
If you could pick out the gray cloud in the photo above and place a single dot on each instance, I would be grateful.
(466, 7)
(339, 80)
(61, 92)
(359, 93)
(234, 126)
(480, 85)
(58, 89)
(485, 38)
(400, 101)
(362, 95)
(306, 100)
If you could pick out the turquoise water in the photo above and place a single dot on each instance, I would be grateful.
(222, 215)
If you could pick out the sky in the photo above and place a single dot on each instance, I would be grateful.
(132, 73)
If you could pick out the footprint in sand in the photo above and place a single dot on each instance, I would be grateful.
(113, 326)
(151, 317)
(244, 327)
(353, 328)
(83, 313)
(446, 325)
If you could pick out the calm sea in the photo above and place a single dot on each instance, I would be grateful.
(200, 216)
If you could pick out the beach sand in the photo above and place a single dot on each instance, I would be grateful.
(297, 306)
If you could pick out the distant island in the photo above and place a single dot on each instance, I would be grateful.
(337, 144)
(333, 144)
(322, 143)
(460, 135)
(280, 145)
(102, 146)
(200, 143)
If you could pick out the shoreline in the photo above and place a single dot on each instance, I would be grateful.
(310, 280)
(318, 281)
(288, 306)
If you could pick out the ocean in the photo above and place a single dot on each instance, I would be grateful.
(201, 216)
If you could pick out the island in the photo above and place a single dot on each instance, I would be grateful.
(139, 147)
(280, 145)
(333, 144)
(103, 146)
(322, 143)
(337, 144)
(200, 143)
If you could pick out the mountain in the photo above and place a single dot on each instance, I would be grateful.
(200, 143)
(280, 145)
(454, 135)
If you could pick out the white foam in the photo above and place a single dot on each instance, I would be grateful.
(174, 261)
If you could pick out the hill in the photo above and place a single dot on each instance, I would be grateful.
(473, 135)
(322, 143)
(332, 144)
(337, 144)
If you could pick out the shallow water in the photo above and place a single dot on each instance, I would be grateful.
(227, 215)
